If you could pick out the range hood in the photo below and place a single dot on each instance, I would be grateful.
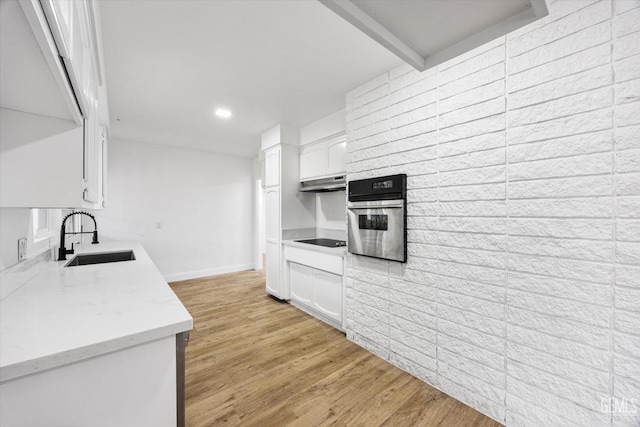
(335, 183)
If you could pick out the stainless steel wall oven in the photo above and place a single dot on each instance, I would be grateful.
(377, 217)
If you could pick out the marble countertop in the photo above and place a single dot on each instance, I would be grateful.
(67, 314)
(338, 251)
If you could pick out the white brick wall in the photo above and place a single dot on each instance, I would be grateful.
(521, 294)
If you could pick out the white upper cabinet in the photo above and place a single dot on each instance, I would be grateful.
(272, 167)
(72, 26)
(52, 156)
(336, 156)
(62, 13)
(312, 161)
(33, 76)
(323, 159)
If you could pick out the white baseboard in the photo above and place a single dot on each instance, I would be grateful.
(176, 277)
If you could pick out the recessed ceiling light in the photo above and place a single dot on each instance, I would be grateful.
(221, 112)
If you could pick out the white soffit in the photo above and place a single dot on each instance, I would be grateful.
(425, 33)
(26, 81)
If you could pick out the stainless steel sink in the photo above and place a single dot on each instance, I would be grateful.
(101, 258)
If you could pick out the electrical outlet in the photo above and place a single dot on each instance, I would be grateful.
(22, 248)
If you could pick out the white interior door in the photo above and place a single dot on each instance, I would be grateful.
(261, 236)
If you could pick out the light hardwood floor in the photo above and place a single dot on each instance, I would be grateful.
(253, 360)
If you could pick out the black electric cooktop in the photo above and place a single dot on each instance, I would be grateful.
(329, 243)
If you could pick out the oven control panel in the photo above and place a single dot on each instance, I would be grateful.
(382, 188)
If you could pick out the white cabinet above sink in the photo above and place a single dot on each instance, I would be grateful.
(53, 118)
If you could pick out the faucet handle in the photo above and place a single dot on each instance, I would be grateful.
(70, 251)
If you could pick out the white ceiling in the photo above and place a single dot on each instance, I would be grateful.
(169, 64)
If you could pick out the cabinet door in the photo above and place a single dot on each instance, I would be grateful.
(104, 149)
(148, 397)
(92, 140)
(60, 17)
(79, 55)
(327, 294)
(273, 268)
(300, 282)
(272, 198)
(337, 156)
(312, 161)
(272, 167)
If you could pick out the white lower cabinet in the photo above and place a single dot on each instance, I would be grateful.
(317, 290)
(300, 279)
(327, 293)
(135, 386)
(315, 282)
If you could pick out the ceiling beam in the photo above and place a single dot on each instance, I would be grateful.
(357, 17)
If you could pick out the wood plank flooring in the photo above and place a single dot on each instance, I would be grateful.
(255, 361)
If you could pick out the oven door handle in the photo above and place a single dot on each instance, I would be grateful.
(376, 204)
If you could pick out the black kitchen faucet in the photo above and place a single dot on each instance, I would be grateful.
(62, 251)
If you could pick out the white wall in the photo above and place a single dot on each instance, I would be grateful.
(327, 126)
(17, 223)
(192, 210)
(14, 224)
(331, 210)
(521, 294)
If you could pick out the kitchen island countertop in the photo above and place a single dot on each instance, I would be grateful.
(67, 314)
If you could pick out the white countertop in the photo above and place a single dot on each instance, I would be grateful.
(337, 251)
(67, 314)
